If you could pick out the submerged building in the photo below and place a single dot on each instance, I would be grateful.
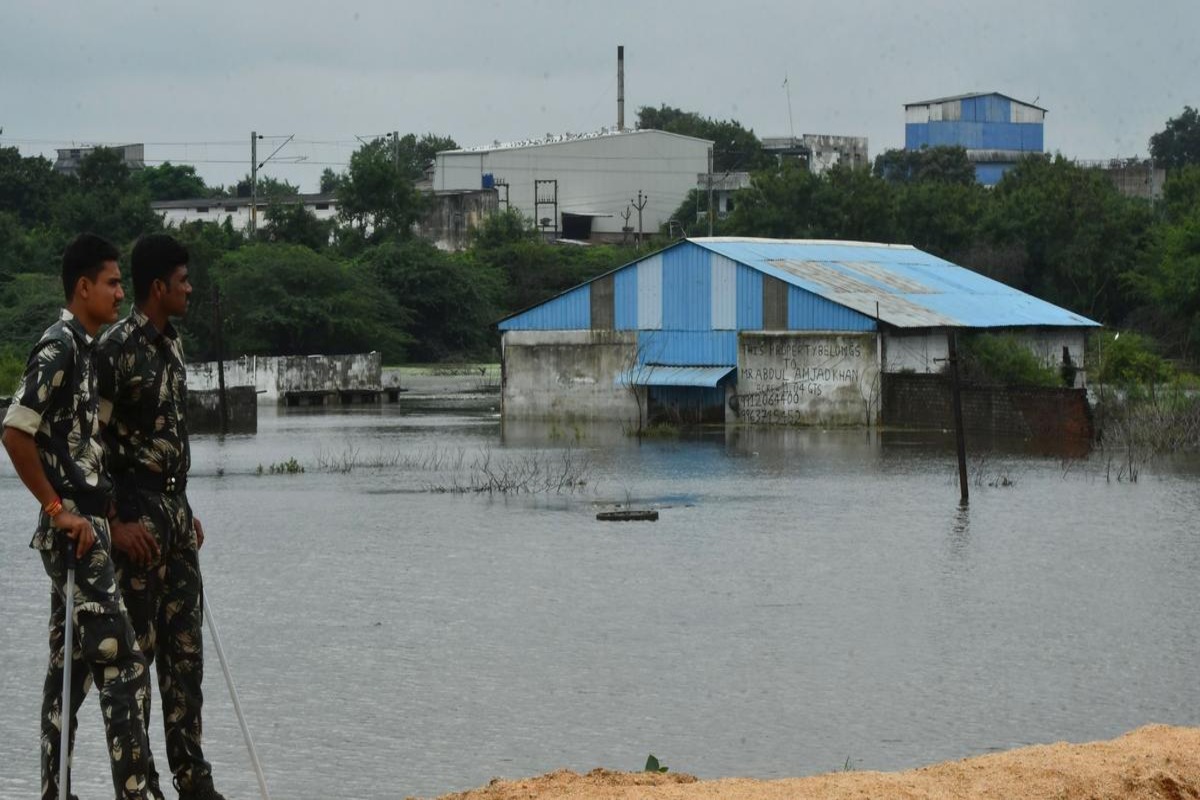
(760, 331)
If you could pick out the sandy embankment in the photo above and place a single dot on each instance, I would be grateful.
(1157, 761)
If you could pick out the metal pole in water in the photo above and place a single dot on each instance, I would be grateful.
(237, 706)
(959, 437)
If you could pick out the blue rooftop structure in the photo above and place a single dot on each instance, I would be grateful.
(688, 301)
(996, 130)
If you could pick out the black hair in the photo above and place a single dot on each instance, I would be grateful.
(155, 257)
(84, 257)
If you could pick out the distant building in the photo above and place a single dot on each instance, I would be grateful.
(237, 209)
(582, 187)
(996, 130)
(818, 151)
(1132, 177)
(821, 151)
(69, 158)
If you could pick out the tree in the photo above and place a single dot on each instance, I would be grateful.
(940, 217)
(416, 156)
(330, 181)
(284, 299)
(106, 200)
(734, 147)
(779, 204)
(170, 181)
(29, 187)
(854, 205)
(376, 199)
(292, 222)
(1077, 232)
(927, 165)
(452, 299)
(1178, 144)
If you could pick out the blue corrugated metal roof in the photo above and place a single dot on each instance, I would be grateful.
(672, 376)
(903, 286)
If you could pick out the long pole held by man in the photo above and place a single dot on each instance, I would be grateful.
(51, 434)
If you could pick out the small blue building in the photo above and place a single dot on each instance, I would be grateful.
(760, 331)
(995, 129)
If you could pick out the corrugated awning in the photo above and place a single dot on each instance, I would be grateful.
(650, 375)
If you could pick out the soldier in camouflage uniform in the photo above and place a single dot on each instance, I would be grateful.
(143, 406)
(51, 433)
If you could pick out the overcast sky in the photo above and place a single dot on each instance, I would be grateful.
(192, 81)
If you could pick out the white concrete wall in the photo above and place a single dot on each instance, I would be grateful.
(807, 378)
(567, 375)
(239, 215)
(600, 174)
(272, 376)
(926, 351)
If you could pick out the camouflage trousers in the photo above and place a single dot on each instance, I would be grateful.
(165, 604)
(104, 652)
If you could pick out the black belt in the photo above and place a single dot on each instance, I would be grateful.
(158, 482)
(91, 504)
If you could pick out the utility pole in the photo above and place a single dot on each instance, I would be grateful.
(222, 404)
(639, 205)
(620, 88)
(253, 181)
(711, 211)
(396, 149)
(959, 437)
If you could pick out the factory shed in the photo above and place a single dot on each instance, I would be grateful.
(760, 331)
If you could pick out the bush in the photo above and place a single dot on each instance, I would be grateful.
(1005, 359)
(1128, 359)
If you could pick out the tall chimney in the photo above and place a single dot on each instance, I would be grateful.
(620, 87)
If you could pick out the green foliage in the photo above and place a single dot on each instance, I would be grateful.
(330, 181)
(1181, 194)
(12, 366)
(1128, 360)
(29, 304)
(943, 218)
(734, 147)
(652, 765)
(452, 300)
(1077, 233)
(170, 181)
(1178, 144)
(284, 299)
(852, 204)
(289, 467)
(295, 224)
(780, 204)
(29, 187)
(928, 165)
(1169, 284)
(1004, 359)
(376, 198)
(416, 156)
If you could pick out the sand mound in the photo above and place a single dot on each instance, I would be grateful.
(1157, 761)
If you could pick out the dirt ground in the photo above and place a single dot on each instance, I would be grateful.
(1157, 761)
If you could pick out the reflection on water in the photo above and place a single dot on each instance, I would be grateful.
(806, 596)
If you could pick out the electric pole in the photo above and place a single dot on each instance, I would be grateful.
(639, 205)
(253, 181)
(711, 212)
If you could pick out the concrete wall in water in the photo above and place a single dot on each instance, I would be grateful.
(568, 374)
(274, 376)
(1025, 412)
(204, 410)
(809, 378)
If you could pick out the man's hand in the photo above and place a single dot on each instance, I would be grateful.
(199, 532)
(132, 539)
(78, 530)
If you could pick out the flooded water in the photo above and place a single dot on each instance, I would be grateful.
(806, 600)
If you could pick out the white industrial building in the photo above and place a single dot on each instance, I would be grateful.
(582, 187)
(237, 209)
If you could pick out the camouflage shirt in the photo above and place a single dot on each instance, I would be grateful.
(143, 400)
(57, 405)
